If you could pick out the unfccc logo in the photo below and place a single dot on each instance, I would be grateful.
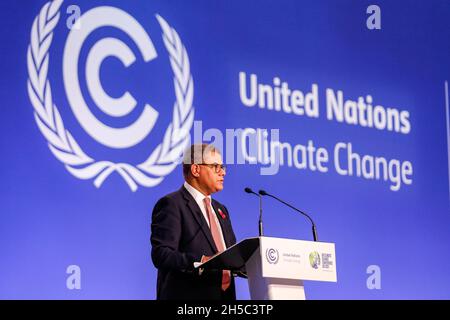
(272, 255)
(164, 158)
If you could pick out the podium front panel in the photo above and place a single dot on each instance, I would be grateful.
(297, 259)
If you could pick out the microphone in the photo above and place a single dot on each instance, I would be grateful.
(248, 190)
(264, 193)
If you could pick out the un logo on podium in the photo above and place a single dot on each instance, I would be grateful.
(272, 255)
(164, 158)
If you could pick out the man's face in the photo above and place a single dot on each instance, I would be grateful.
(210, 180)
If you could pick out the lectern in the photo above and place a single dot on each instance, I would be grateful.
(277, 267)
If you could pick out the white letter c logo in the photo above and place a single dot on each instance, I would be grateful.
(116, 107)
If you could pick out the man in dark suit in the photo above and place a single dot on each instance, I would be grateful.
(188, 226)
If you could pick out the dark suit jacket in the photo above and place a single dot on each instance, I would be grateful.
(180, 236)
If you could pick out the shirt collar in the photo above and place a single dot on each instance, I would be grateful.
(197, 195)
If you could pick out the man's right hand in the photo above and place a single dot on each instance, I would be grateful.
(205, 258)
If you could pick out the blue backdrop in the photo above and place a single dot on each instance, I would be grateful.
(52, 219)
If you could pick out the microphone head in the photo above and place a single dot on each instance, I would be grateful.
(263, 193)
(248, 190)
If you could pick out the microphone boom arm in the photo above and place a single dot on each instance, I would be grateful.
(260, 223)
(314, 230)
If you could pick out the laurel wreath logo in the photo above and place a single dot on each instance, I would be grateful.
(162, 160)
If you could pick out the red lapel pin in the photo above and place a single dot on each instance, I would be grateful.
(222, 214)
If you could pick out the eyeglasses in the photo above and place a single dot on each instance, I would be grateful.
(217, 167)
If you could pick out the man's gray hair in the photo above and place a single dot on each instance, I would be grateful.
(196, 154)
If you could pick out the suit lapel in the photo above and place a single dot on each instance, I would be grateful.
(198, 216)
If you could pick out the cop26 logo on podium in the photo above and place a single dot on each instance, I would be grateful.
(164, 158)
